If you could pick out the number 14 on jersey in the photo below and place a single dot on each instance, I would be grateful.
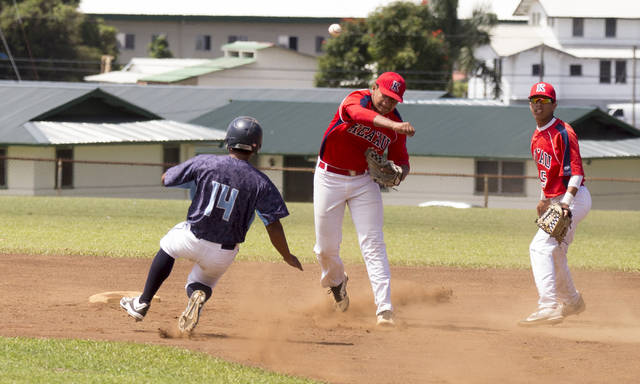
(226, 199)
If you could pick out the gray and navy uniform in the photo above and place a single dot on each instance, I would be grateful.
(229, 192)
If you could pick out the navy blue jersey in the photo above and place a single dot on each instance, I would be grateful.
(228, 193)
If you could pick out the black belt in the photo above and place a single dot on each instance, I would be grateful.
(228, 246)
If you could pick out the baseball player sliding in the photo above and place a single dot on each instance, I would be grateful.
(554, 146)
(365, 119)
(228, 190)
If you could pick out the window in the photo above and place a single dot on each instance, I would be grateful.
(171, 155)
(575, 70)
(203, 43)
(129, 41)
(234, 38)
(605, 71)
(578, 27)
(290, 42)
(126, 41)
(621, 72)
(537, 70)
(610, 27)
(512, 185)
(64, 175)
(3, 168)
(320, 41)
(500, 185)
(155, 36)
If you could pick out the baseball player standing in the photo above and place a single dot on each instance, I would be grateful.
(228, 192)
(365, 119)
(554, 146)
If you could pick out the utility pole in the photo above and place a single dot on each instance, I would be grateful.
(542, 62)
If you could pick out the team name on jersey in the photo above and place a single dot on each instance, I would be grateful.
(375, 137)
(541, 157)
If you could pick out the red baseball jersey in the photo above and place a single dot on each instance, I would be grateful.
(557, 155)
(351, 132)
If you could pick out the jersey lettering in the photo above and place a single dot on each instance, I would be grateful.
(543, 178)
(375, 137)
(226, 199)
(543, 158)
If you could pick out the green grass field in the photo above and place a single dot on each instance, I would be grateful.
(482, 238)
(493, 238)
(25, 360)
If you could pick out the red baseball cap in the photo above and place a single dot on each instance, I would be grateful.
(543, 89)
(392, 84)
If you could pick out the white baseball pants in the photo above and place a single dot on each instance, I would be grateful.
(331, 192)
(549, 259)
(211, 261)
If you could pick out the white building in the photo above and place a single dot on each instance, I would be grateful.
(586, 49)
(244, 64)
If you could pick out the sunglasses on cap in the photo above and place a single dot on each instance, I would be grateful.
(541, 100)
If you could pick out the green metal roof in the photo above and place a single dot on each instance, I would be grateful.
(246, 46)
(40, 113)
(501, 132)
(199, 70)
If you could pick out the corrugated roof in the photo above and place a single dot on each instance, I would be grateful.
(246, 46)
(610, 148)
(199, 70)
(621, 9)
(183, 103)
(22, 103)
(140, 67)
(280, 8)
(186, 103)
(53, 132)
(442, 130)
(599, 53)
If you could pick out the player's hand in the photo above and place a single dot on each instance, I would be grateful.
(293, 261)
(565, 210)
(542, 206)
(405, 128)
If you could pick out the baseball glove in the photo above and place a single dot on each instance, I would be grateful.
(383, 171)
(554, 222)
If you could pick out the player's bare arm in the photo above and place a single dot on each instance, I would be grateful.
(565, 206)
(279, 241)
(542, 206)
(403, 127)
(405, 171)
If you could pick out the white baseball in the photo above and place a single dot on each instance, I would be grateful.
(335, 30)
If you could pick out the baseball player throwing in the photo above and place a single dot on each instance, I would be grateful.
(554, 146)
(228, 192)
(365, 119)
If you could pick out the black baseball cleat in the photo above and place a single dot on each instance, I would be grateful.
(189, 318)
(340, 295)
(134, 307)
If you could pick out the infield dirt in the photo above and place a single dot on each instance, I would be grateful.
(454, 325)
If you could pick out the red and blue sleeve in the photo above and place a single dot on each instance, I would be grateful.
(571, 161)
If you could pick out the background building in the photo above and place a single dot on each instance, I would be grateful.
(586, 49)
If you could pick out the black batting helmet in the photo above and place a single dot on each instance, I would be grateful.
(244, 133)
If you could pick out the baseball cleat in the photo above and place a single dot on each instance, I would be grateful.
(134, 307)
(189, 318)
(543, 316)
(574, 309)
(340, 295)
(385, 319)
